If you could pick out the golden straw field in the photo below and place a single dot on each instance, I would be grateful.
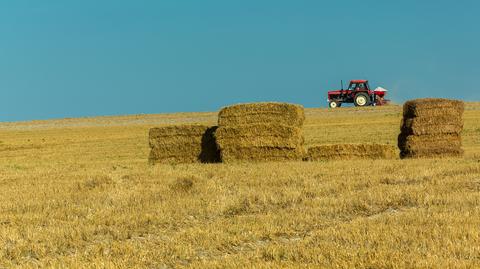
(79, 193)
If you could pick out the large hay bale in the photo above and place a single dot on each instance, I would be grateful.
(183, 144)
(431, 128)
(260, 142)
(262, 113)
(350, 151)
(261, 132)
(432, 107)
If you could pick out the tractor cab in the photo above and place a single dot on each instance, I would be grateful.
(359, 93)
(358, 85)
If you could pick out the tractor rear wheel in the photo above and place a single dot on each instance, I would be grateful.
(361, 99)
(334, 104)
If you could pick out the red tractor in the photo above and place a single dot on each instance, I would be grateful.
(358, 93)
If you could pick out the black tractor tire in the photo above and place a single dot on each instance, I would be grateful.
(334, 104)
(361, 99)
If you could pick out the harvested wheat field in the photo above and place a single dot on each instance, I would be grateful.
(183, 144)
(80, 193)
(351, 151)
(261, 132)
(431, 127)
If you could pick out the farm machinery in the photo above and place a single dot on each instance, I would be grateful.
(359, 93)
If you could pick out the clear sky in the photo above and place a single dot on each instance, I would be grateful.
(66, 58)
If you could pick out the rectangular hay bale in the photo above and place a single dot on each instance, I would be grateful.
(430, 146)
(183, 144)
(431, 107)
(350, 151)
(260, 142)
(268, 112)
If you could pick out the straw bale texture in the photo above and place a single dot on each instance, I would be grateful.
(183, 144)
(432, 125)
(351, 151)
(261, 154)
(263, 113)
(260, 142)
(423, 142)
(252, 130)
(432, 153)
(259, 135)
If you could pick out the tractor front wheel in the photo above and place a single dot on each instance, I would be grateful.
(361, 99)
(334, 104)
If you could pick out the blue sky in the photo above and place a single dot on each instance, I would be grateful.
(62, 58)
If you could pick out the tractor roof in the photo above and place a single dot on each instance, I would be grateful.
(359, 81)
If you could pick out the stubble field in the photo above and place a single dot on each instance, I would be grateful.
(79, 193)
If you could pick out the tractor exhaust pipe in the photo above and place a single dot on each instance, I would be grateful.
(341, 92)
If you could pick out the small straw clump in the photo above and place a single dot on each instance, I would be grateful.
(351, 151)
(183, 144)
(261, 132)
(431, 127)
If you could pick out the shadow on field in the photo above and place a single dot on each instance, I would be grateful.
(210, 152)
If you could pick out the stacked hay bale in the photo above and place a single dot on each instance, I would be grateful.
(350, 151)
(431, 128)
(183, 144)
(261, 132)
